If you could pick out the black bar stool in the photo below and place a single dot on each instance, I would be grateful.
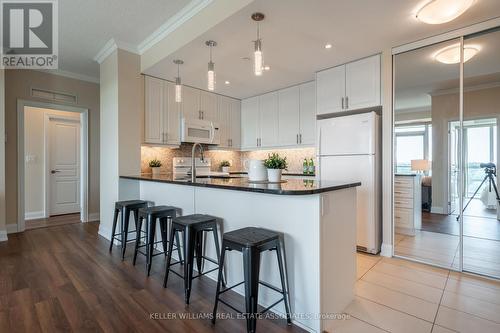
(152, 215)
(251, 242)
(193, 228)
(124, 208)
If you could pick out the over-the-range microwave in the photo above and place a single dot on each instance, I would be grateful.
(200, 131)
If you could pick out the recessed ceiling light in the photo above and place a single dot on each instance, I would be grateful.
(266, 68)
(442, 11)
(227, 82)
(451, 54)
(328, 46)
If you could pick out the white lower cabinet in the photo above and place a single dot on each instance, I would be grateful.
(161, 113)
(286, 118)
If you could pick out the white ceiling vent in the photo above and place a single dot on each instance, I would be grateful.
(53, 96)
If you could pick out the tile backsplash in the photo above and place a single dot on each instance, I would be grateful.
(295, 157)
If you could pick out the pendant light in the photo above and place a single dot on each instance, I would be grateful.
(178, 85)
(258, 61)
(211, 67)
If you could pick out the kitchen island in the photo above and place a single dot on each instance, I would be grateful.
(318, 220)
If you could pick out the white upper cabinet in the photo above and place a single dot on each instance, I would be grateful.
(208, 106)
(154, 108)
(235, 123)
(250, 122)
(307, 114)
(191, 103)
(268, 120)
(352, 86)
(363, 83)
(289, 116)
(330, 90)
(172, 116)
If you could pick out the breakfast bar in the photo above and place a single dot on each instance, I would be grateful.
(318, 220)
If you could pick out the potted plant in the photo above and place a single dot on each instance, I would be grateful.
(155, 165)
(224, 165)
(275, 165)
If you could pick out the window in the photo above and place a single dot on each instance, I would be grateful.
(413, 142)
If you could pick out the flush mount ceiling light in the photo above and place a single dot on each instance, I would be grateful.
(442, 11)
(257, 54)
(211, 67)
(328, 46)
(178, 85)
(451, 54)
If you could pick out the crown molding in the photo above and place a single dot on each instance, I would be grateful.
(113, 45)
(186, 13)
(71, 75)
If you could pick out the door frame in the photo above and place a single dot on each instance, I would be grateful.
(84, 156)
(46, 152)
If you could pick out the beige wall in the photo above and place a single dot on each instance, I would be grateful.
(18, 84)
(484, 103)
(34, 137)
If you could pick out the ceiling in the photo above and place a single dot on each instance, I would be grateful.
(418, 74)
(86, 25)
(294, 33)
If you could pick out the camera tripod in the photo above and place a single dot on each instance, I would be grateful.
(491, 171)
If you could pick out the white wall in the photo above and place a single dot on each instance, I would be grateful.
(34, 136)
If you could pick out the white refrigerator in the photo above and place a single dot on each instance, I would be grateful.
(349, 150)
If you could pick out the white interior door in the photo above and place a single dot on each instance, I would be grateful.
(64, 166)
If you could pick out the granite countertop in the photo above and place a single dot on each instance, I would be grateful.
(286, 173)
(406, 174)
(238, 183)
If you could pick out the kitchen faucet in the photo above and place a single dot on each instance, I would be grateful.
(193, 161)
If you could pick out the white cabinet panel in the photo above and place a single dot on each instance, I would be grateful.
(288, 116)
(153, 113)
(190, 102)
(268, 119)
(171, 115)
(249, 122)
(330, 90)
(208, 105)
(307, 113)
(224, 120)
(363, 83)
(235, 124)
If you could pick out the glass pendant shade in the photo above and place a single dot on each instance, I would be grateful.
(211, 76)
(258, 58)
(178, 90)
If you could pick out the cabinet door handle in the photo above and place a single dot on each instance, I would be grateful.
(297, 139)
(300, 138)
(230, 142)
(342, 103)
(202, 114)
(347, 102)
(166, 136)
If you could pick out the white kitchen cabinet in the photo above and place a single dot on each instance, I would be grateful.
(330, 90)
(307, 118)
(224, 116)
(268, 119)
(235, 123)
(289, 116)
(153, 111)
(162, 113)
(250, 122)
(191, 103)
(208, 106)
(348, 87)
(363, 83)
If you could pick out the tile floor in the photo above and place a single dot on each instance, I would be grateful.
(395, 295)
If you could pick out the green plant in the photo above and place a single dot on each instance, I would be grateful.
(275, 161)
(155, 163)
(225, 164)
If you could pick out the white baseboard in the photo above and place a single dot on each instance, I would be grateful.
(104, 232)
(11, 228)
(386, 250)
(3, 235)
(437, 210)
(93, 217)
(34, 215)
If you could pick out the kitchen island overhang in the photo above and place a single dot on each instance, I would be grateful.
(318, 221)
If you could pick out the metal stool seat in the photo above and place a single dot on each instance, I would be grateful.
(152, 215)
(193, 228)
(124, 208)
(251, 242)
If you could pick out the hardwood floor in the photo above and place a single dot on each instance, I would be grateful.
(53, 221)
(64, 279)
